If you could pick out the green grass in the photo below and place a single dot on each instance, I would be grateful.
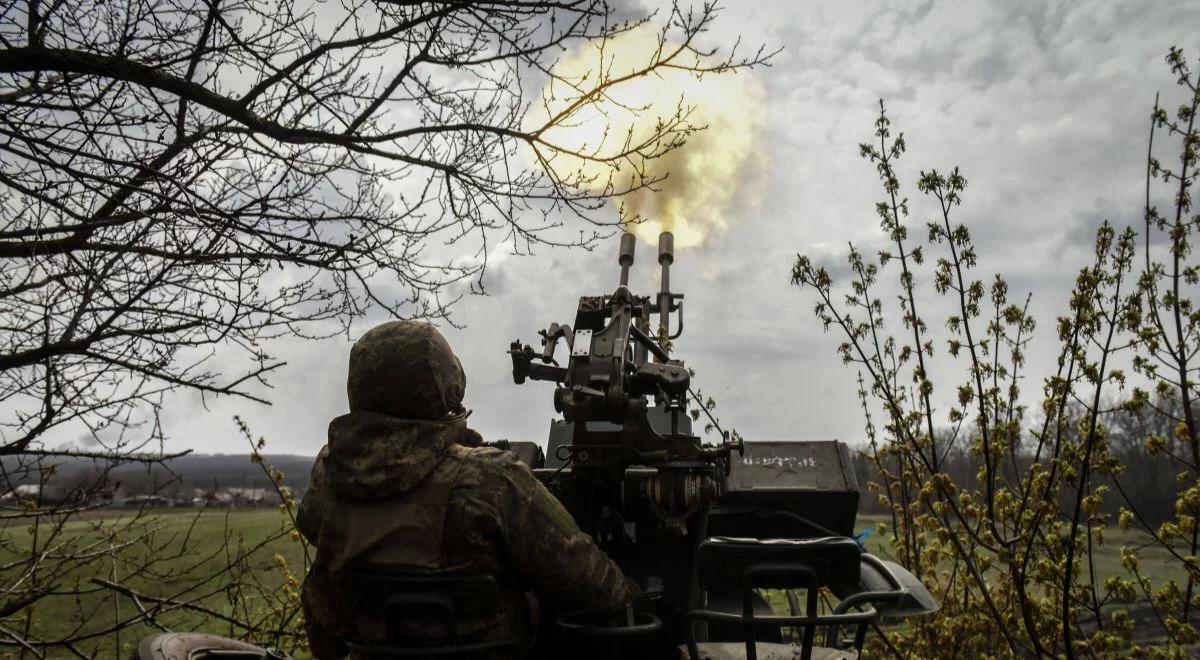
(196, 542)
(1154, 561)
(190, 544)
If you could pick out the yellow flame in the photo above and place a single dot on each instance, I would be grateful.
(704, 176)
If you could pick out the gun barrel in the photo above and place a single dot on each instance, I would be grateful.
(625, 256)
(666, 257)
(666, 248)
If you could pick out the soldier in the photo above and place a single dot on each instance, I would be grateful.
(396, 489)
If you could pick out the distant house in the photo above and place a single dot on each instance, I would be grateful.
(257, 496)
(114, 496)
(213, 499)
(147, 502)
(35, 493)
(232, 497)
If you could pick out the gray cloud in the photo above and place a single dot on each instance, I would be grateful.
(1044, 106)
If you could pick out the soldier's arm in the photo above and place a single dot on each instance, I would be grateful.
(312, 506)
(560, 561)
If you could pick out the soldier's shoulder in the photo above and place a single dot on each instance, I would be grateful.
(490, 462)
(317, 476)
(483, 456)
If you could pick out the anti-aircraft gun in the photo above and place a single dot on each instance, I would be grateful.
(624, 403)
(701, 527)
(697, 525)
(622, 458)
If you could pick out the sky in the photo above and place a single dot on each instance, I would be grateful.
(1044, 106)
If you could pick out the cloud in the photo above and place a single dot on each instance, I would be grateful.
(1044, 106)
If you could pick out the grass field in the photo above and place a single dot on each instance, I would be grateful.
(1154, 562)
(198, 543)
(194, 544)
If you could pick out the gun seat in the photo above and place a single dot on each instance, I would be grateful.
(439, 602)
(869, 588)
(833, 560)
(748, 564)
(767, 651)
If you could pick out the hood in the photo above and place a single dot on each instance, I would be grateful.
(405, 369)
(374, 456)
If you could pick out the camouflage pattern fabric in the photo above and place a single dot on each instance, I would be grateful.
(403, 495)
(471, 438)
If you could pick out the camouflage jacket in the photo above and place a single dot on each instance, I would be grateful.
(390, 494)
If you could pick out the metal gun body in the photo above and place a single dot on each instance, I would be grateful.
(622, 458)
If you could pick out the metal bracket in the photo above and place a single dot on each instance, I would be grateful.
(582, 346)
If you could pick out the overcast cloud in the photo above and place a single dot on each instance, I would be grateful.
(1043, 105)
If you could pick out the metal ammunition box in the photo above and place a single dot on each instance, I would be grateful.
(812, 480)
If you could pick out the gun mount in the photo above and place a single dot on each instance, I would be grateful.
(683, 518)
(624, 403)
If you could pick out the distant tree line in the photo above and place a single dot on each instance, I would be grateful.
(1144, 442)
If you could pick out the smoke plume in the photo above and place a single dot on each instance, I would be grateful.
(714, 148)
